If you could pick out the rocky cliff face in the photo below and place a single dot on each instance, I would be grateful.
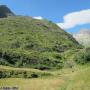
(83, 37)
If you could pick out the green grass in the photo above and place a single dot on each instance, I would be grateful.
(79, 80)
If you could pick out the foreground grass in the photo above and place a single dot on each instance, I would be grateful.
(62, 80)
(32, 84)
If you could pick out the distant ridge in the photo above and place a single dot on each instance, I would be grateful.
(5, 11)
(83, 37)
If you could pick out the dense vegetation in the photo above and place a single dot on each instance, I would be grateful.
(8, 72)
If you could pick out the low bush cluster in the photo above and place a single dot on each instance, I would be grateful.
(83, 56)
(22, 74)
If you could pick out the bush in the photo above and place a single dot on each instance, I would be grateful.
(2, 74)
(33, 75)
(83, 56)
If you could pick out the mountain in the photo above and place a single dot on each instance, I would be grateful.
(5, 11)
(83, 37)
(32, 43)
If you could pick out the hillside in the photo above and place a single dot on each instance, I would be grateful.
(27, 42)
(83, 37)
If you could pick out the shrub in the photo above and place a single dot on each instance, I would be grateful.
(2, 74)
(33, 75)
(83, 56)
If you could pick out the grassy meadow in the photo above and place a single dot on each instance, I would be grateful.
(65, 79)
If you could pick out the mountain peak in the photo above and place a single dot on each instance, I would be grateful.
(5, 11)
(84, 31)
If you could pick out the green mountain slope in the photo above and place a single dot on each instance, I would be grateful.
(27, 42)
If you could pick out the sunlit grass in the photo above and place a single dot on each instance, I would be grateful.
(32, 84)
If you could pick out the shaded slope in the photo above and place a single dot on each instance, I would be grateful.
(5, 11)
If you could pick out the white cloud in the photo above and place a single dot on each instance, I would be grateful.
(38, 17)
(75, 18)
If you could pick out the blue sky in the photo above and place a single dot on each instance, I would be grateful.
(53, 10)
